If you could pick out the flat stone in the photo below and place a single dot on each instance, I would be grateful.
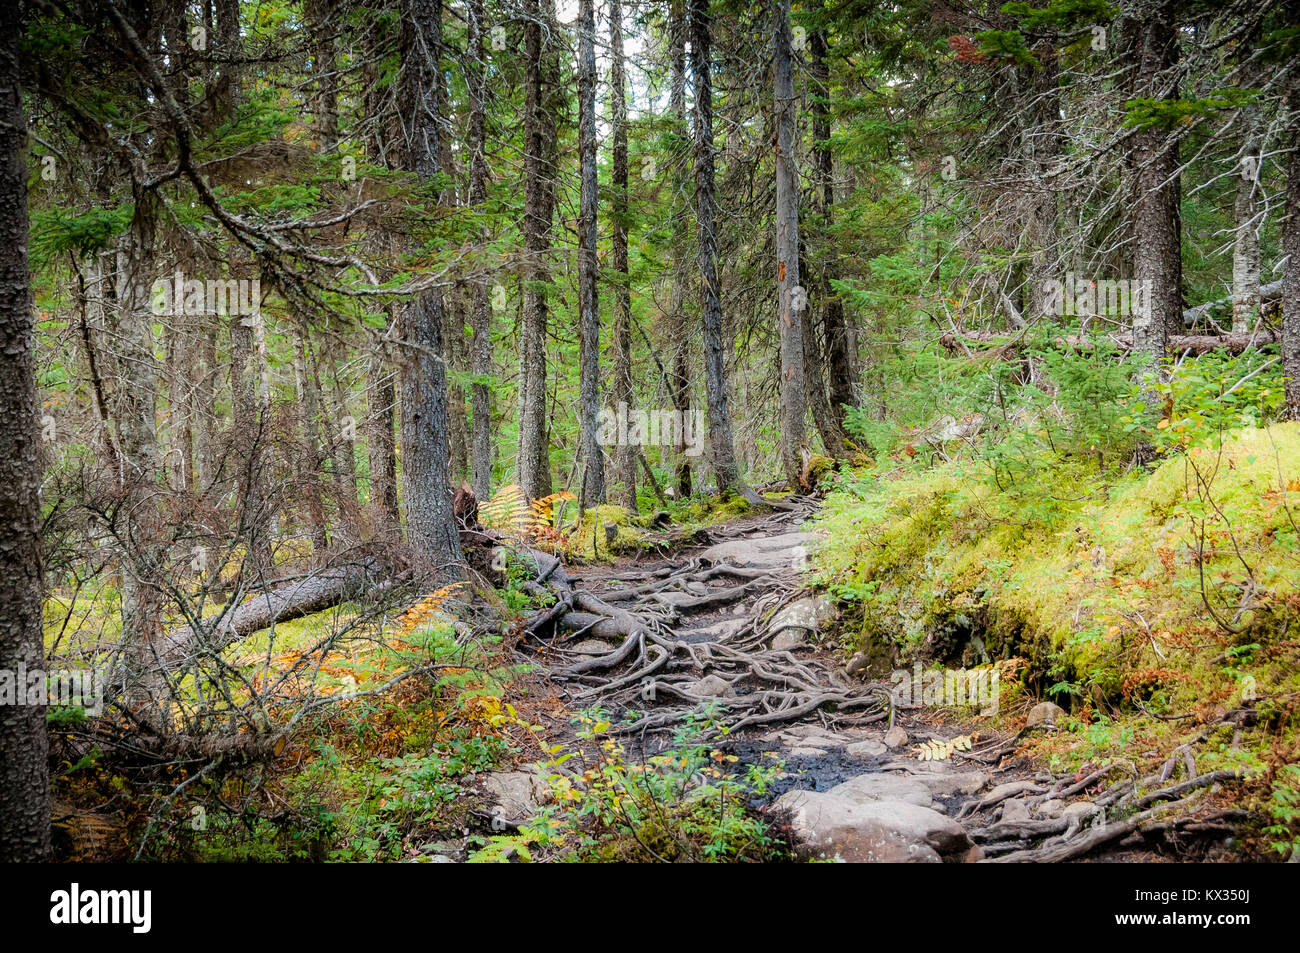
(788, 640)
(807, 734)
(519, 794)
(810, 613)
(953, 783)
(883, 787)
(1016, 809)
(865, 749)
(591, 647)
(712, 686)
(829, 826)
(1051, 808)
(807, 752)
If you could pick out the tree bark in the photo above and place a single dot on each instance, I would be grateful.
(310, 459)
(180, 373)
(228, 47)
(539, 131)
(317, 592)
(430, 524)
(1157, 254)
(322, 25)
(381, 438)
(624, 455)
(814, 378)
(678, 320)
(593, 456)
(204, 417)
(134, 412)
(722, 451)
(841, 362)
(249, 435)
(1247, 225)
(792, 298)
(1291, 278)
(1042, 147)
(480, 309)
(24, 775)
(1178, 343)
(341, 428)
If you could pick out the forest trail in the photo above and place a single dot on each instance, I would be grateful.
(727, 628)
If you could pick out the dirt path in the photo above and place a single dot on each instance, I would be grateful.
(728, 627)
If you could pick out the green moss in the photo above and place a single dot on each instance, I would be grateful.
(711, 510)
(590, 539)
(1071, 569)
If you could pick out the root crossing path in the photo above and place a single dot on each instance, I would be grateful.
(727, 627)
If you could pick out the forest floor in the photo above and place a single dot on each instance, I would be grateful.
(736, 641)
(697, 699)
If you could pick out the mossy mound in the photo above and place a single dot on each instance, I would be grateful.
(713, 509)
(1176, 586)
(590, 538)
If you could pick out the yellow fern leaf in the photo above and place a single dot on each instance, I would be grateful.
(934, 750)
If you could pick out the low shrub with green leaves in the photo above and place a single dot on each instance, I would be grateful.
(690, 803)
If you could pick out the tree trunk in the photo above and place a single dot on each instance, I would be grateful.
(539, 130)
(453, 334)
(1248, 222)
(134, 411)
(1042, 146)
(322, 24)
(624, 455)
(1291, 279)
(24, 743)
(375, 134)
(480, 310)
(228, 47)
(381, 439)
(722, 451)
(204, 417)
(310, 459)
(458, 412)
(430, 525)
(814, 378)
(840, 360)
(342, 428)
(315, 593)
(93, 331)
(1157, 255)
(249, 436)
(180, 373)
(593, 457)
(792, 299)
(678, 321)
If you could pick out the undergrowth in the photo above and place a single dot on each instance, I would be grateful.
(1144, 599)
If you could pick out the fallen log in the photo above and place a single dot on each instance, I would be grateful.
(1268, 294)
(314, 593)
(1178, 343)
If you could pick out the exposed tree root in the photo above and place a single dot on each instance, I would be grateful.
(1116, 814)
(660, 652)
